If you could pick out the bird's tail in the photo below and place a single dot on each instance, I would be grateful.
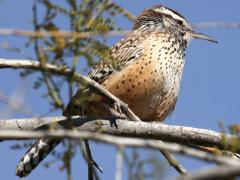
(42, 147)
(39, 150)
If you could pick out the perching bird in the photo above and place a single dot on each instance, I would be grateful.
(145, 73)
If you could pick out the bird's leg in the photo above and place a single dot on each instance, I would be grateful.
(116, 110)
(117, 107)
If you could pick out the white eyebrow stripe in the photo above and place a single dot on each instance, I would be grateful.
(168, 12)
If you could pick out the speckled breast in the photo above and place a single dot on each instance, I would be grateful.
(150, 84)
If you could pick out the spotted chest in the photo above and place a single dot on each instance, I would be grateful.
(150, 84)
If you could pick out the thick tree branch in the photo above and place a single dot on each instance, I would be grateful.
(171, 133)
(64, 71)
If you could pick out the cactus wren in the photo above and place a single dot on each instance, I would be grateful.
(150, 63)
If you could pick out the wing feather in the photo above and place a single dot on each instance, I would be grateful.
(123, 53)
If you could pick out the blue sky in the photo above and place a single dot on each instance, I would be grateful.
(210, 89)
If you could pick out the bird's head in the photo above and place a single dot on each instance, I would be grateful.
(164, 18)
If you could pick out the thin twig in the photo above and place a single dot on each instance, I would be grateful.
(91, 172)
(67, 34)
(119, 163)
(226, 25)
(81, 35)
(219, 173)
(91, 160)
(52, 92)
(173, 162)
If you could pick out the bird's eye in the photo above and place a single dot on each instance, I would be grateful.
(180, 22)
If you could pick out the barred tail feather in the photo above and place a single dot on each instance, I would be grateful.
(39, 150)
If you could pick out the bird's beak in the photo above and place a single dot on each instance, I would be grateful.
(202, 36)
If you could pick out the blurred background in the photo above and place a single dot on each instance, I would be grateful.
(209, 91)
